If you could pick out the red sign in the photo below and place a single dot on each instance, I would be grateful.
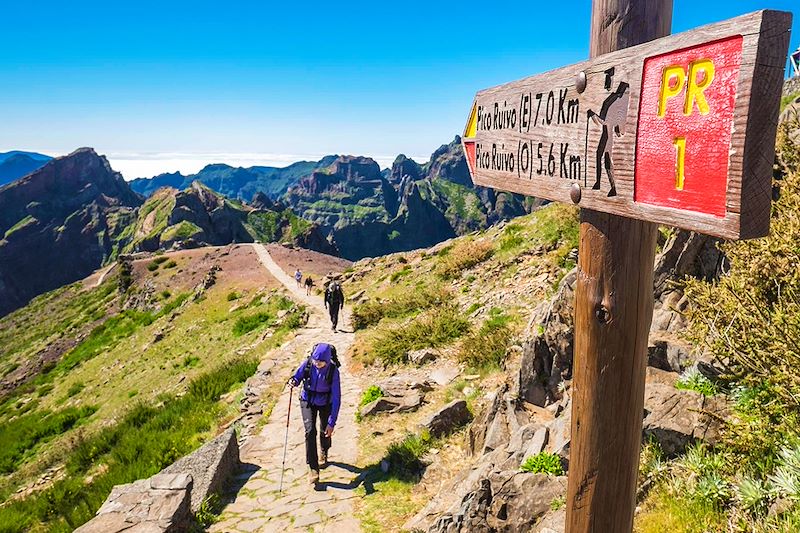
(684, 130)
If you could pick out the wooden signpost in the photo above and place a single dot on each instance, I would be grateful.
(678, 131)
(654, 129)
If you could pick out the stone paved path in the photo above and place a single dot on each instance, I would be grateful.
(257, 506)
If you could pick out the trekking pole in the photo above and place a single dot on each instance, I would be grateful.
(286, 439)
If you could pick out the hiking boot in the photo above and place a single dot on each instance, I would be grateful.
(323, 458)
(313, 476)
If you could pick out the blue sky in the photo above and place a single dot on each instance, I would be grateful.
(163, 86)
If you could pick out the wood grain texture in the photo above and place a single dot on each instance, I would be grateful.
(613, 312)
(572, 133)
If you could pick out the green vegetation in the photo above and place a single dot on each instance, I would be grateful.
(433, 328)
(181, 231)
(692, 379)
(403, 304)
(405, 457)
(209, 510)
(75, 388)
(268, 317)
(19, 225)
(789, 98)
(349, 211)
(21, 435)
(233, 295)
(487, 347)
(464, 206)
(155, 212)
(246, 324)
(370, 395)
(400, 273)
(147, 439)
(274, 226)
(543, 463)
(463, 255)
(104, 336)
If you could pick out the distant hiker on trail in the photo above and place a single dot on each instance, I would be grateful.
(320, 398)
(298, 276)
(334, 299)
(309, 283)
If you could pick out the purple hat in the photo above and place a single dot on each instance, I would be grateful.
(322, 352)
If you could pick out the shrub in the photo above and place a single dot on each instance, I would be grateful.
(462, 256)
(75, 388)
(246, 324)
(399, 274)
(171, 264)
(174, 304)
(152, 266)
(543, 463)
(751, 317)
(487, 347)
(405, 457)
(370, 395)
(435, 327)
(160, 259)
(511, 237)
(405, 303)
(233, 295)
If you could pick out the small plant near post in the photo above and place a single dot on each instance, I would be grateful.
(543, 463)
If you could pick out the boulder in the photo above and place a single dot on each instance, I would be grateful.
(420, 357)
(676, 418)
(393, 404)
(448, 418)
(443, 376)
(509, 501)
(401, 384)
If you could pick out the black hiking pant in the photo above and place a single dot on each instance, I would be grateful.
(310, 414)
(334, 311)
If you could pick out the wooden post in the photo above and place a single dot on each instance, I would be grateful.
(613, 311)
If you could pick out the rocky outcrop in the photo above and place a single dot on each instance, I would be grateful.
(531, 412)
(370, 213)
(547, 355)
(444, 421)
(199, 216)
(508, 502)
(393, 404)
(676, 418)
(404, 168)
(59, 224)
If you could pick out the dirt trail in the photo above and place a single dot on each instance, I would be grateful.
(258, 506)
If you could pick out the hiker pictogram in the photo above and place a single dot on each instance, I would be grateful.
(611, 118)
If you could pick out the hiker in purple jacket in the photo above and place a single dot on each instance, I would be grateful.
(320, 398)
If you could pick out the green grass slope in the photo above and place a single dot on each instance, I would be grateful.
(106, 393)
